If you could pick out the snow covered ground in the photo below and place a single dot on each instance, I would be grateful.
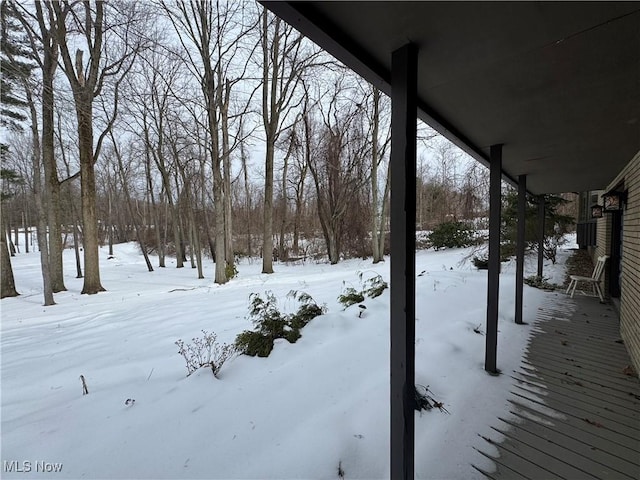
(307, 409)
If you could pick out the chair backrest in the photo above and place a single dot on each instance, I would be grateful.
(599, 268)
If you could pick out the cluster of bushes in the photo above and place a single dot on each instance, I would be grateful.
(270, 324)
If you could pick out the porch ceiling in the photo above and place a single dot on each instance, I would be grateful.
(558, 83)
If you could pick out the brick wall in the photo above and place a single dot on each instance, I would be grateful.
(630, 288)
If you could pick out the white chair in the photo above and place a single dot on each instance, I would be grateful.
(594, 279)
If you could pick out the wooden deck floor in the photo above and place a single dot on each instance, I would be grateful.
(574, 414)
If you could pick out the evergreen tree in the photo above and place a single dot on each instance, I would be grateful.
(8, 178)
(15, 66)
(555, 224)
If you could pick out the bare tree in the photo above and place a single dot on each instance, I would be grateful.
(122, 171)
(153, 101)
(44, 50)
(87, 82)
(215, 29)
(291, 145)
(338, 167)
(285, 58)
(378, 150)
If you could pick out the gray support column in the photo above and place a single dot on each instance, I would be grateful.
(495, 180)
(541, 215)
(522, 210)
(404, 116)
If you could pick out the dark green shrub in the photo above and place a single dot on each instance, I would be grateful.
(350, 297)
(254, 344)
(481, 263)
(556, 224)
(307, 311)
(292, 335)
(371, 287)
(451, 235)
(270, 323)
(374, 286)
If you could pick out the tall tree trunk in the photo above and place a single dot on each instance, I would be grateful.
(16, 234)
(218, 181)
(267, 229)
(25, 227)
(41, 197)
(76, 248)
(175, 215)
(247, 195)
(226, 166)
(7, 284)
(384, 212)
(333, 246)
(84, 112)
(195, 245)
(154, 208)
(270, 117)
(375, 214)
(55, 234)
(52, 184)
(218, 200)
(109, 219)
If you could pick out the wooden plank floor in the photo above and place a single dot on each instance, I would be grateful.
(574, 414)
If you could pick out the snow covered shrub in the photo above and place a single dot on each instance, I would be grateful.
(350, 297)
(307, 311)
(254, 344)
(205, 352)
(481, 263)
(374, 286)
(270, 323)
(451, 235)
(371, 287)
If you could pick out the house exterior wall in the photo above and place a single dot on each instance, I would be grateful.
(630, 283)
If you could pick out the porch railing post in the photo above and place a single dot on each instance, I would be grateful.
(404, 117)
(541, 227)
(493, 284)
(522, 209)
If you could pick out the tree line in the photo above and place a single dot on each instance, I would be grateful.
(203, 131)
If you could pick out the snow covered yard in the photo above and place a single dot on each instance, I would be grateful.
(307, 409)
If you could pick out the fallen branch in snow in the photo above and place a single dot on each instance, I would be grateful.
(424, 401)
(85, 390)
(182, 289)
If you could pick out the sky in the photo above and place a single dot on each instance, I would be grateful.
(306, 411)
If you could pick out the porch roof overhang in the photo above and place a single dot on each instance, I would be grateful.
(557, 83)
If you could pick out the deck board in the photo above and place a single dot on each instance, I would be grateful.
(574, 413)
